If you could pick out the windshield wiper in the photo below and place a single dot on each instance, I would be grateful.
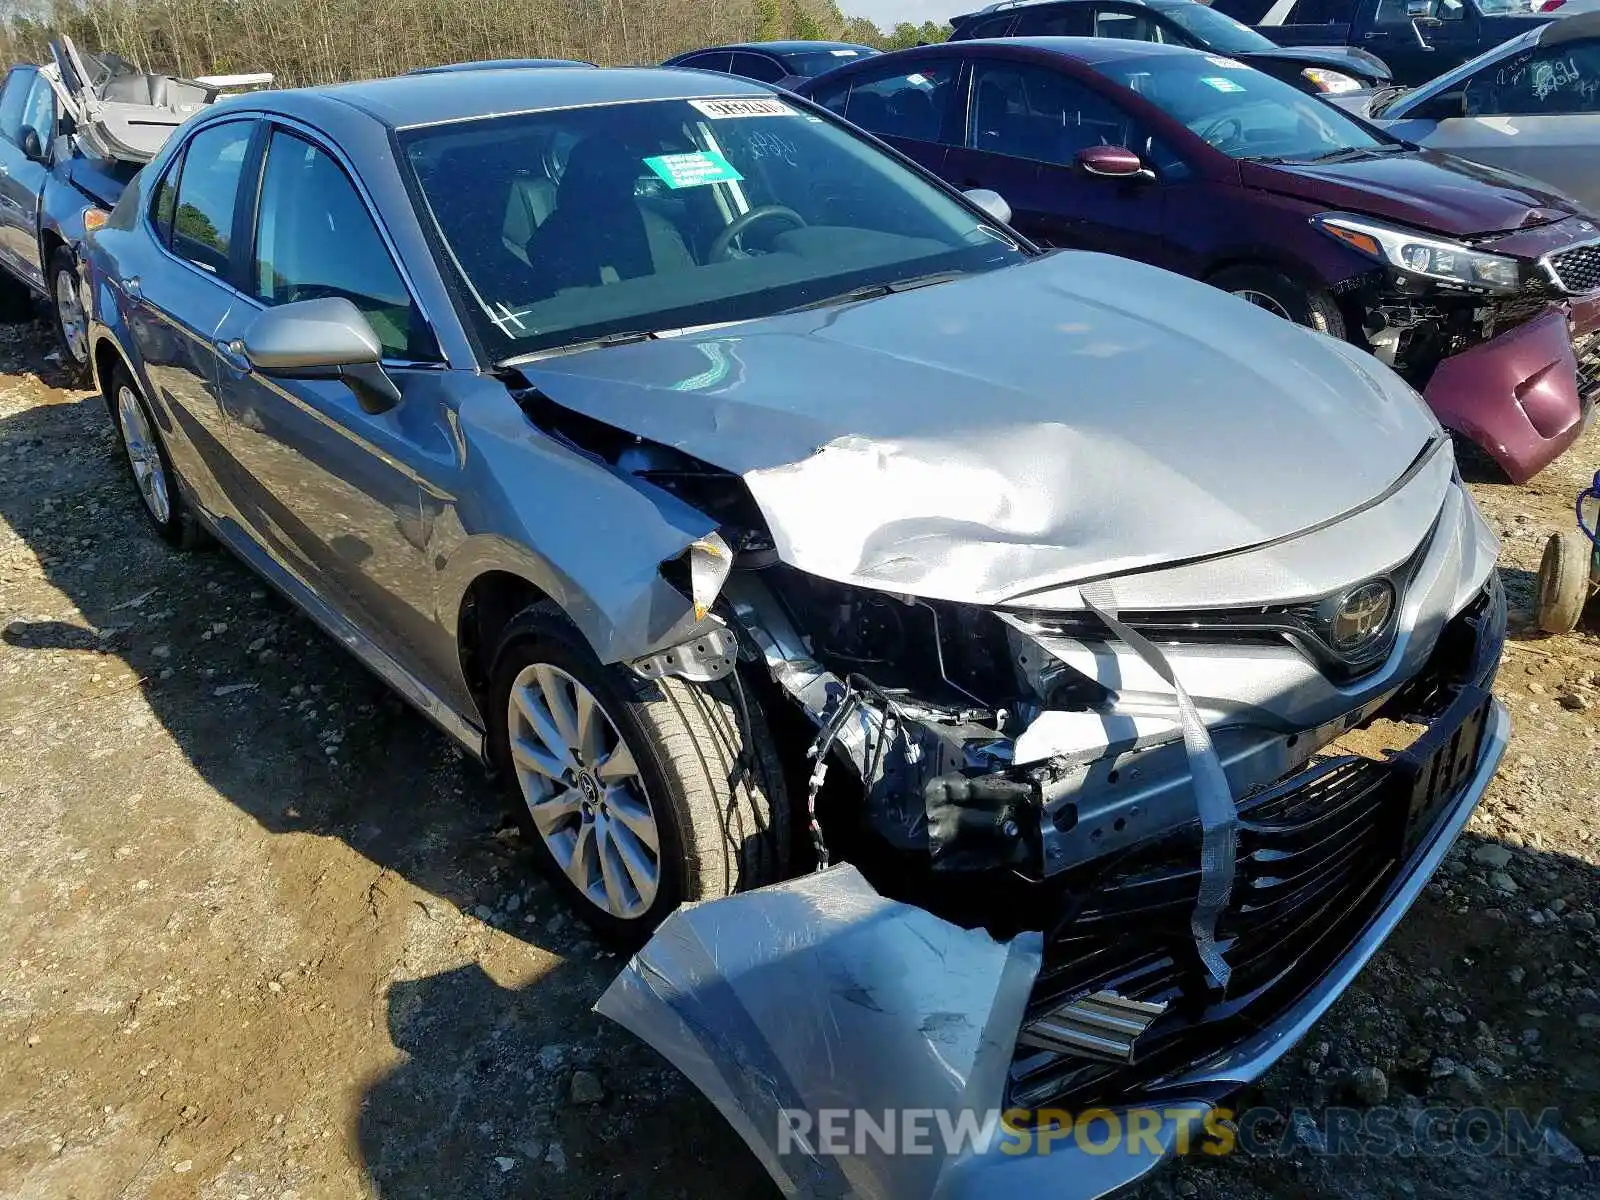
(874, 291)
(604, 342)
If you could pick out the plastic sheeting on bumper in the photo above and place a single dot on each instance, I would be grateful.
(820, 994)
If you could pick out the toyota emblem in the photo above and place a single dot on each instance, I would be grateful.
(1362, 616)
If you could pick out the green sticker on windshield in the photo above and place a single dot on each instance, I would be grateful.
(693, 170)
(1220, 83)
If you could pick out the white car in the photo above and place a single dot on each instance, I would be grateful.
(1530, 105)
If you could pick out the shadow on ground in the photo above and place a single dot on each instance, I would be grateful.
(283, 724)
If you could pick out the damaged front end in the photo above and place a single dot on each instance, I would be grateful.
(1500, 333)
(1109, 847)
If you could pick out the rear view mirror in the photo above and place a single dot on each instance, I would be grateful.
(328, 337)
(1113, 162)
(992, 203)
(32, 146)
(1419, 8)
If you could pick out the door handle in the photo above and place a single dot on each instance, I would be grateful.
(232, 353)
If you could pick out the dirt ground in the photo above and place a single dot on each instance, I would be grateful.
(262, 935)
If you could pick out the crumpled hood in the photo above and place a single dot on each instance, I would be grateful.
(1070, 418)
(1420, 188)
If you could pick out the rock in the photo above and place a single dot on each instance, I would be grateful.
(1442, 1068)
(552, 1056)
(1370, 1085)
(1185, 1187)
(1589, 1020)
(1307, 1135)
(1556, 1144)
(1573, 702)
(1469, 1081)
(1491, 855)
(483, 912)
(1516, 975)
(1451, 1016)
(1582, 920)
(1502, 883)
(505, 1164)
(586, 1088)
(557, 1158)
(187, 1165)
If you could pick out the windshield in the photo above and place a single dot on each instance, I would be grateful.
(815, 62)
(1240, 111)
(1214, 30)
(574, 224)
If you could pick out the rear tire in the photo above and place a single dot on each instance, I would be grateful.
(67, 314)
(1274, 291)
(154, 479)
(1564, 581)
(701, 777)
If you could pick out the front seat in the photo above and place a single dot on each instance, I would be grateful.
(599, 232)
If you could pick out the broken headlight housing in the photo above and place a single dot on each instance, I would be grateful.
(1419, 254)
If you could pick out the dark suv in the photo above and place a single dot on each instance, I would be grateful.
(1473, 283)
(1312, 68)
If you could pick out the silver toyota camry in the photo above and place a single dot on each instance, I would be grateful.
(999, 681)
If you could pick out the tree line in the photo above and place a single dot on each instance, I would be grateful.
(322, 41)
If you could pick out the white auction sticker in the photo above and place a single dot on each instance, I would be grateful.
(721, 110)
(1232, 64)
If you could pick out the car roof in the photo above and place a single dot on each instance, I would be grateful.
(436, 97)
(501, 64)
(791, 46)
(1088, 50)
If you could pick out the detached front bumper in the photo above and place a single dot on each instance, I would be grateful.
(1524, 396)
(863, 1046)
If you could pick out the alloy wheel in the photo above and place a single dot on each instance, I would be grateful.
(144, 454)
(583, 790)
(1262, 300)
(69, 311)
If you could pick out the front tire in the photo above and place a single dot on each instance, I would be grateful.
(153, 476)
(636, 795)
(68, 316)
(1278, 294)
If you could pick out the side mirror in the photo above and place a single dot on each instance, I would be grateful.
(991, 202)
(32, 146)
(324, 338)
(1113, 162)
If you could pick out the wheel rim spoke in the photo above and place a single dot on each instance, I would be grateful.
(559, 702)
(633, 816)
(535, 758)
(641, 869)
(531, 705)
(556, 811)
(578, 866)
(611, 872)
(143, 456)
(618, 766)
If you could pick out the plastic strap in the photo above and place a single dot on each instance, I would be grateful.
(1219, 817)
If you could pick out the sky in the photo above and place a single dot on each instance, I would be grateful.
(888, 13)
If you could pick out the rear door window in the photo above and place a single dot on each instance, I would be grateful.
(716, 60)
(758, 66)
(903, 104)
(208, 192)
(1074, 20)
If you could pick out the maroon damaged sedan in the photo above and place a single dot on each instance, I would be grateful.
(1480, 287)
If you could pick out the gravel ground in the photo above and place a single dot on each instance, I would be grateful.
(265, 933)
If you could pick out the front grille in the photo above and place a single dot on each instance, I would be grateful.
(1587, 351)
(1316, 855)
(1577, 270)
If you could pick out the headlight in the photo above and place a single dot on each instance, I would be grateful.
(1328, 81)
(1418, 254)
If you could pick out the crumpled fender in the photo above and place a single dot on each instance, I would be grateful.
(820, 994)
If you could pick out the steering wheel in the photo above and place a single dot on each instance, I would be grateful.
(1222, 123)
(723, 243)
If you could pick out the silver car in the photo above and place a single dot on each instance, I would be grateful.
(1530, 105)
(1093, 665)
